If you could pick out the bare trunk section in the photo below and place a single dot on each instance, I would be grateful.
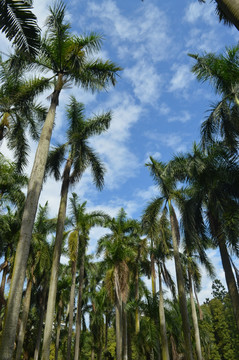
(71, 307)
(3, 283)
(124, 337)
(29, 214)
(55, 263)
(40, 325)
(25, 312)
(180, 284)
(79, 303)
(58, 330)
(118, 324)
(231, 283)
(163, 332)
(195, 320)
(137, 322)
(231, 9)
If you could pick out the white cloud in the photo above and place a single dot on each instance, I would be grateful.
(182, 77)
(184, 117)
(146, 81)
(202, 12)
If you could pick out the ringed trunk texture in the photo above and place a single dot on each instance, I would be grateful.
(180, 284)
(55, 263)
(79, 303)
(231, 9)
(25, 312)
(231, 284)
(29, 214)
(71, 309)
(195, 320)
(163, 332)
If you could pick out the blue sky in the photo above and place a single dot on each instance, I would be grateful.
(157, 104)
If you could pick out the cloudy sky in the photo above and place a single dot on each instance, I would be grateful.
(157, 104)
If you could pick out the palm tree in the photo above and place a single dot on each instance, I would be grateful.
(80, 157)
(213, 195)
(81, 223)
(117, 255)
(222, 72)
(158, 229)
(68, 58)
(167, 186)
(38, 261)
(19, 23)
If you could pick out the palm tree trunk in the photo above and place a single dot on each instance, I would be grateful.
(137, 323)
(29, 214)
(3, 283)
(195, 320)
(106, 331)
(119, 332)
(25, 312)
(231, 283)
(71, 308)
(124, 337)
(164, 339)
(153, 277)
(55, 263)
(79, 303)
(180, 284)
(40, 325)
(58, 330)
(231, 9)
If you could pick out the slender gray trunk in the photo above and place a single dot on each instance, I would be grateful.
(163, 332)
(29, 214)
(79, 303)
(71, 307)
(137, 321)
(125, 337)
(195, 320)
(25, 312)
(3, 283)
(40, 325)
(55, 263)
(58, 330)
(118, 325)
(180, 283)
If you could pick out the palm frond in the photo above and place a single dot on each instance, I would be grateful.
(20, 25)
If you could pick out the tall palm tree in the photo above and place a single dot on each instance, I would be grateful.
(67, 56)
(169, 193)
(80, 157)
(38, 261)
(213, 195)
(222, 72)
(158, 229)
(19, 23)
(81, 222)
(117, 255)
